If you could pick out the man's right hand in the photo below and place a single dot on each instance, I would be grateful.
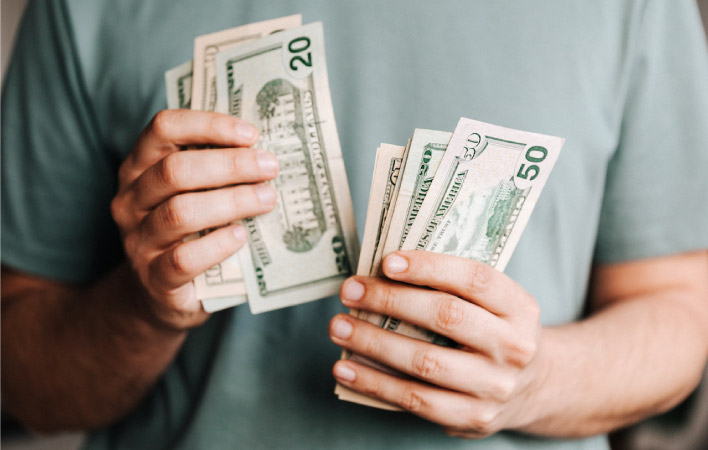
(165, 195)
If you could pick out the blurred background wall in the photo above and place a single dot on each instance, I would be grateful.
(689, 431)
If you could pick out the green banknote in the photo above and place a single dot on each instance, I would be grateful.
(480, 200)
(207, 46)
(484, 192)
(470, 198)
(387, 169)
(425, 153)
(178, 83)
(307, 246)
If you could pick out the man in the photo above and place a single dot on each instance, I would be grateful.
(120, 344)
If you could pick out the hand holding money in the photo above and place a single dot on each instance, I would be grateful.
(165, 195)
(469, 194)
(471, 389)
(274, 74)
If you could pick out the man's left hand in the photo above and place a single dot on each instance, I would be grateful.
(473, 390)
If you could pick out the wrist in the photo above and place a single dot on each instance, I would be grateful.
(535, 403)
(156, 315)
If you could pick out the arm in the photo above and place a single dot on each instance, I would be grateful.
(78, 357)
(640, 352)
(83, 356)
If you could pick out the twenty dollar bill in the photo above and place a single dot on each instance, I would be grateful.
(307, 246)
(222, 285)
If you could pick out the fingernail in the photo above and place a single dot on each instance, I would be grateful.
(266, 194)
(246, 130)
(267, 162)
(395, 264)
(352, 290)
(341, 329)
(344, 373)
(239, 232)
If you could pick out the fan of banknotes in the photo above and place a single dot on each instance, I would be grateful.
(274, 74)
(469, 193)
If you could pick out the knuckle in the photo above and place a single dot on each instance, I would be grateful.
(227, 244)
(386, 298)
(437, 265)
(522, 351)
(131, 242)
(219, 125)
(372, 388)
(162, 123)
(118, 211)
(173, 170)
(482, 420)
(180, 260)
(235, 162)
(478, 276)
(533, 311)
(412, 400)
(427, 365)
(448, 313)
(373, 345)
(503, 388)
(176, 213)
(123, 174)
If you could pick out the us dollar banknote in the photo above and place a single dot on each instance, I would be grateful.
(307, 246)
(423, 156)
(483, 194)
(222, 285)
(409, 186)
(390, 161)
(207, 46)
(477, 205)
(387, 170)
(480, 200)
(425, 152)
(386, 213)
(178, 84)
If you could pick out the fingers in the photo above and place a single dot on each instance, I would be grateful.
(443, 313)
(466, 278)
(450, 409)
(428, 362)
(201, 169)
(184, 262)
(188, 213)
(171, 129)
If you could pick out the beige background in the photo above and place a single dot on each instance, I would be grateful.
(10, 12)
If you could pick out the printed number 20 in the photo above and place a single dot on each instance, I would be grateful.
(534, 154)
(299, 45)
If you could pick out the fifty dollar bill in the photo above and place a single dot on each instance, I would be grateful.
(477, 206)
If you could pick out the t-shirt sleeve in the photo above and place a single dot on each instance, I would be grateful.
(656, 194)
(57, 177)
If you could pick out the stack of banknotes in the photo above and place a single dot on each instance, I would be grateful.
(274, 74)
(469, 193)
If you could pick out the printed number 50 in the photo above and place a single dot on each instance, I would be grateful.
(534, 154)
(299, 45)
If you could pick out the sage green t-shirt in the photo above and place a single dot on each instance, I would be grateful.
(625, 82)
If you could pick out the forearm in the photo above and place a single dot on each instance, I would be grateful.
(81, 358)
(630, 360)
